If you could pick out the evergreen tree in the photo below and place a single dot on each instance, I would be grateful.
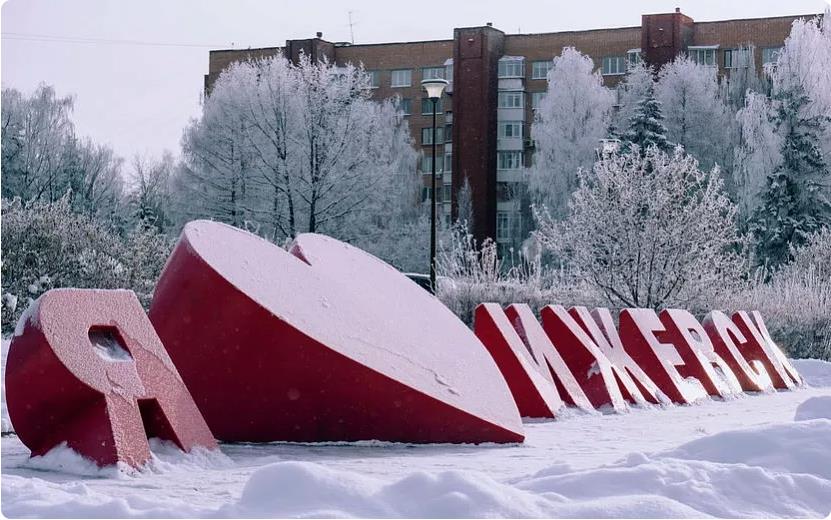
(646, 127)
(795, 202)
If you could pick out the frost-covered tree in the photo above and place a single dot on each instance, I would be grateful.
(743, 80)
(694, 110)
(795, 201)
(42, 159)
(758, 152)
(634, 87)
(150, 197)
(287, 148)
(646, 126)
(571, 120)
(649, 230)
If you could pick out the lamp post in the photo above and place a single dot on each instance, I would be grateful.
(434, 88)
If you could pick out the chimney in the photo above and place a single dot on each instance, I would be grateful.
(677, 9)
(319, 34)
(489, 24)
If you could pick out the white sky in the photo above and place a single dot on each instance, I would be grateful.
(139, 96)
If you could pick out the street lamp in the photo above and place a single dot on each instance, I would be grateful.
(434, 88)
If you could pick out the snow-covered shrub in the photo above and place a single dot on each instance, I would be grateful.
(472, 273)
(796, 302)
(649, 231)
(47, 245)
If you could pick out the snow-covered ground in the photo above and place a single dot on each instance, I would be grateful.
(746, 457)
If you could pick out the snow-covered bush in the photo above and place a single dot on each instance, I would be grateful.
(649, 231)
(796, 302)
(472, 273)
(47, 245)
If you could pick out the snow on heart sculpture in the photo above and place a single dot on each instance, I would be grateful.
(246, 341)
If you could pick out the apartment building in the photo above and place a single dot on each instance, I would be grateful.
(496, 82)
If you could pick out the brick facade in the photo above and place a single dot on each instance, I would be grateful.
(473, 57)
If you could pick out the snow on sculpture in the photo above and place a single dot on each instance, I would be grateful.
(86, 368)
(644, 338)
(324, 342)
(582, 356)
(729, 343)
(534, 394)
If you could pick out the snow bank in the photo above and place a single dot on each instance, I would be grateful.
(815, 372)
(814, 408)
(783, 470)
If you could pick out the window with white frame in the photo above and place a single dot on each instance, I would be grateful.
(770, 54)
(703, 55)
(536, 98)
(448, 162)
(509, 160)
(613, 65)
(427, 135)
(448, 133)
(374, 78)
(503, 225)
(633, 57)
(402, 78)
(432, 73)
(510, 129)
(427, 106)
(427, 163)
(510, 68)
(539, 69)
(736, 58)
(510, 99)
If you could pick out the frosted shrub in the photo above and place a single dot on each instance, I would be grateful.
(796, 302)
(472, 273)
(649, 231)
(46, 245)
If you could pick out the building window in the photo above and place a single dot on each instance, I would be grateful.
(503, 225)
(509, 160)
(536, 98)
(374, 78)
(510, 130)
(770, 54)
(425, 193)
(404, 106)
(427, 163)
(427, 135)
(703, 55)
(539, 69)
(633, 57)
(432, 73)
(511, 99)
(613, 65)
(427, 106)
(448, 133)
(402, 78)
(447, 195)
(448, 162)
(736, 58)
(511, 68)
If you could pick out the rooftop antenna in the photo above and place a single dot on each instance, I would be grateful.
(351, 31)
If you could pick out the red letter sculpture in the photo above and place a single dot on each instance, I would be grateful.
(761, 347)
(585, 360)
(640, 330)
(634, 384)
(88, 369)
(323, 343)
(729, 343)
(535, 395)
(700, 358)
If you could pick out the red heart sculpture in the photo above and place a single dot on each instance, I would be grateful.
(325, 343)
